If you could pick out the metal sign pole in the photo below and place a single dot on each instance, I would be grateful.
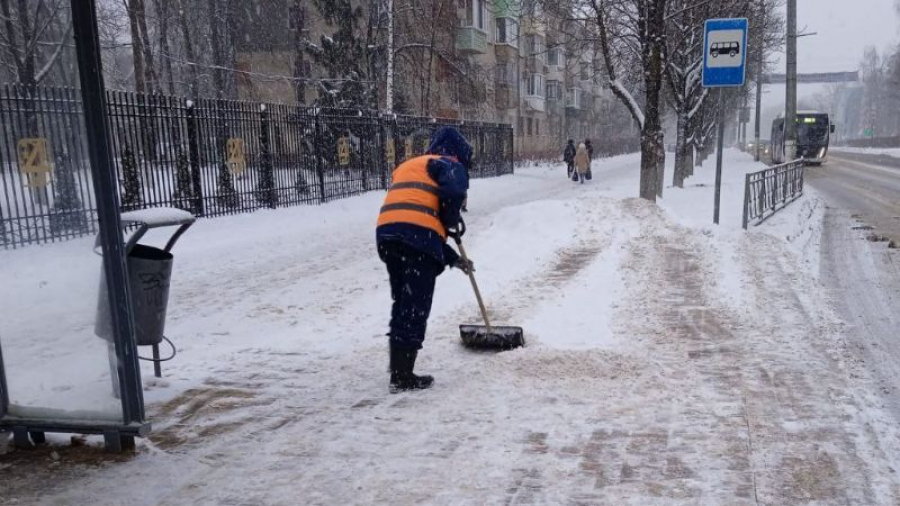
(725, 65)
(720, 143)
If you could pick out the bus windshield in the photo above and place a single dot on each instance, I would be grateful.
(812, 129)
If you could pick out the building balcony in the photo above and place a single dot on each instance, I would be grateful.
(471, 40)
(536, 103)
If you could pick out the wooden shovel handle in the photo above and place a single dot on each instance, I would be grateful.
(462, 253)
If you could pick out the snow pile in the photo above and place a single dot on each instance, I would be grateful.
(895, 152)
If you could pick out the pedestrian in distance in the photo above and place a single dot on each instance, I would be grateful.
(569, 157)
(421, 210)
(590, 150)
(582, 162)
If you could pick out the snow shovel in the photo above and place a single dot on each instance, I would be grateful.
(487, 337)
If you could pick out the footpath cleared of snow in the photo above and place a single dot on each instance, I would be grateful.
(668, 362)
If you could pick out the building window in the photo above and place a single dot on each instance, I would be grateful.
(537, 127)
(521, 124)
(575, 98)
(505, 74)
(587, 72)
(534, 44)
(554, 56)
(530, 123)
(534, 85)
(554, 90)
(508, 31)
(475, 14)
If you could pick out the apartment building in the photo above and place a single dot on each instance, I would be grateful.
(500, 60)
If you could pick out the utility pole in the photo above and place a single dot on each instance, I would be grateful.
(760, 63)
(389, 99)
(790, 113)
(759, 86)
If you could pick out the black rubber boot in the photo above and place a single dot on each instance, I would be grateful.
(403, 361)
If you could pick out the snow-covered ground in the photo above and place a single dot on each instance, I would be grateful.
(895, 152)
(669, 361)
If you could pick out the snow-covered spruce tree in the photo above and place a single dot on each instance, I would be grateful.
(131, 180)
(181, 198)
(68, 212)
(265, 190)
(350, 58)
(227, 195)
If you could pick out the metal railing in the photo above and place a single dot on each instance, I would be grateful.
(210, 157)
(769, 190)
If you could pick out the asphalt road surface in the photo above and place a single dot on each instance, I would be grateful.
(862, 195)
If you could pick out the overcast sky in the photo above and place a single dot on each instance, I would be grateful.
(844, 29)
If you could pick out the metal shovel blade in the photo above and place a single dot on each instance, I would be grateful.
(499, 338)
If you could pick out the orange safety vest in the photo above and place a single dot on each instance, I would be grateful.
(413, 197)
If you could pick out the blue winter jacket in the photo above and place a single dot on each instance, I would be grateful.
(452, 178)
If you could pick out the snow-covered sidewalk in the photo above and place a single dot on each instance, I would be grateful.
(668, 362)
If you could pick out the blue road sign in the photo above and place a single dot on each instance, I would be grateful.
(725, 52)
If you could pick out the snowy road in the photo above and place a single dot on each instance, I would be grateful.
(864, 276)
(869, 190)
(668, 363)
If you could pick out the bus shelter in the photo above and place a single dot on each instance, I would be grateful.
(56, 374)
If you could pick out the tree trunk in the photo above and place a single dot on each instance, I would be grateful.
(650, 141)
(689, 160)
(163, 11)
(661, 167)
(681, 148)
(137, 49)
(139, 11)
(217, 52)
(188, 49)
(652, 135)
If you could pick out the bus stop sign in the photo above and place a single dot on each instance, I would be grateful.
(725, 52)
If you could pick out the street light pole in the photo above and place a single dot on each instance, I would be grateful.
(759, 73)
(790, 113)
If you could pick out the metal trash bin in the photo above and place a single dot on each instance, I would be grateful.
(149, 276)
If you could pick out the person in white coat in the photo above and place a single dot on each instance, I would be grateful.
(582, 162)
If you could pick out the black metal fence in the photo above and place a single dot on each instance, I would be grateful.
(770, 190)
(210, 157)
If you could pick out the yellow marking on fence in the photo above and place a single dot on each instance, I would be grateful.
(237, 161)
(34, 161)
(390, 153)
(344, 151)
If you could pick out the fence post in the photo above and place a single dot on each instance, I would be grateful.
(746, 201)
(194, 159)
(317, 151)
(266, 190)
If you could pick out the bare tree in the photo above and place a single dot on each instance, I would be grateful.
(633, 32)
(34, 35)
(685, 63)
